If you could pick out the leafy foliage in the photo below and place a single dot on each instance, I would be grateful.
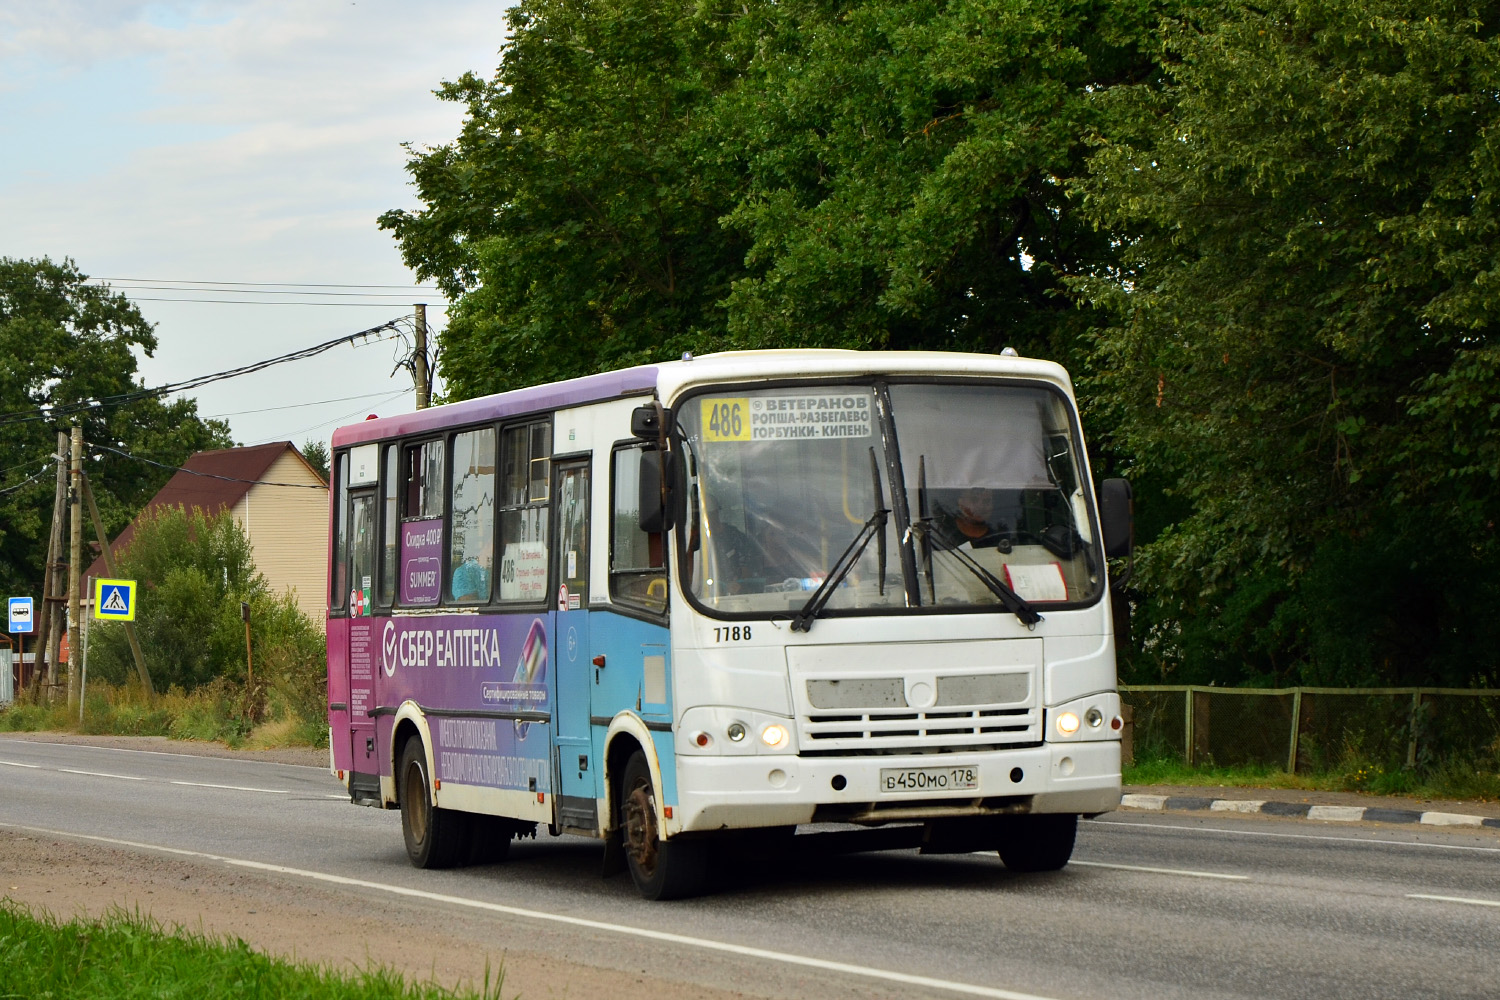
(194, 572)
(1306, 350)
(907, 166)
(316, 453)
(63, 340)
(1262, 238)
(572, 220)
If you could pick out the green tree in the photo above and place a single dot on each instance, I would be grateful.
(645, 176)
(1306, 349)
(908, 166)
(63, 341)
(316, 453)
(194, 571)
(572, 222)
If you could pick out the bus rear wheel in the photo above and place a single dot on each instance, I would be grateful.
(435, 838)
(1038, 843)
(661, 869)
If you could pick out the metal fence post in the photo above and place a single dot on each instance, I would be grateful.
(1411, 740)
(1187, 726)
(1291, 753)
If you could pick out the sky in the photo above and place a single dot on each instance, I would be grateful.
(239, 151)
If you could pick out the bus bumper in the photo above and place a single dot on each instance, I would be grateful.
(716, 793)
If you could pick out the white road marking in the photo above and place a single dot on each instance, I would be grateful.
(1454, 899)
(233, 788)
(706, 944)
(1297, 836)
(1161, 871)
(163, 753)
(188, 784)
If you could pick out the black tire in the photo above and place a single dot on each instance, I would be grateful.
(1041, 843)
(661, 869)
(435, 838)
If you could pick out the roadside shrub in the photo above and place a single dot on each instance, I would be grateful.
(194, 572)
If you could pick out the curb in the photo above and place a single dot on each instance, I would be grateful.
(1302, 810)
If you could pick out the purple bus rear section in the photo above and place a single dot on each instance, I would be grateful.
(484, 680)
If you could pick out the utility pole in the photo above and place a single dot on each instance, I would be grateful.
(109, 567)
(75, 560)
(423, 376)
(46, 647)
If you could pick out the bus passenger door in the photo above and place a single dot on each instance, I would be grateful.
(574, 766)
(364, 778)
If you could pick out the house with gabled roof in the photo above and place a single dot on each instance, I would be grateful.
(278, 499)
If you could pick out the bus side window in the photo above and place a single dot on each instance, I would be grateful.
(637, 559)
(339, 592)
(471, 547)
(423, 504)
(525, 472)
(391, 526)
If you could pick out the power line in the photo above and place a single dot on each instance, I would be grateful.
(263, 284)
(83, 406)
(295, 406)
(266, 302)
(202, 475)
(346, 416)
(28, 480)
(405, 296)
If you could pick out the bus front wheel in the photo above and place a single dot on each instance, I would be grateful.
(435, 838)
(1038, 842)
(661, 869)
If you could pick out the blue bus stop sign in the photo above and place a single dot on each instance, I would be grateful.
(20, 615)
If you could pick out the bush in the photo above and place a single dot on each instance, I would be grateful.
(194, 571)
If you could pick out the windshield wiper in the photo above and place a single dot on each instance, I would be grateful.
(803, 620)
(1009, 599)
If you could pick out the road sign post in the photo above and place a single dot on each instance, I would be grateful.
(21, 618)
(21, 622)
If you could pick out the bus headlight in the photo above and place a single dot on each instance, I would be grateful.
(1088, 719)
(736, 731)
(773, 735)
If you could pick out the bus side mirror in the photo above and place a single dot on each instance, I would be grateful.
(1117, 517)
(655, 503)
(646, 422)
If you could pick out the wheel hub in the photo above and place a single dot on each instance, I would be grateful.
(641, 839)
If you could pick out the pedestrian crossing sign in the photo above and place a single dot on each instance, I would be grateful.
(114, 600)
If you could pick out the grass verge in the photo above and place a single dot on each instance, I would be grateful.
(1440, 780)
(125, 955)
(216, 712)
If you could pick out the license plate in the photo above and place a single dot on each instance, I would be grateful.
(928, 779)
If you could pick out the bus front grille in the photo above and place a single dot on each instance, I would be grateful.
(947, 730)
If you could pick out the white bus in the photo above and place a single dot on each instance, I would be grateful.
(752, 591)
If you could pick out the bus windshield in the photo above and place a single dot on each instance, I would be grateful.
(783, 481)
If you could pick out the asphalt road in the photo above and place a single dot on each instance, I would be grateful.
(1153, 906)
